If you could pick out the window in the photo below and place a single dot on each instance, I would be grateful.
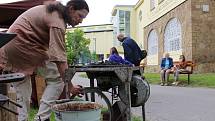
(121, 17)
(152, 58)
(153, 43)
(121, 24)
(127, 23)
(172, 36)
(152, 4)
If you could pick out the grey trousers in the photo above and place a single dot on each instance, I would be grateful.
(164, 74)
(52, 92)
(23, 94)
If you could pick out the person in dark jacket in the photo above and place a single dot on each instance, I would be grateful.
(116, 58)
(132, 51)
(166, 65)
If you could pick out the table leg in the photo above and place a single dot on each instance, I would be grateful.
(128, 105)
(143, 112)
(92, 85)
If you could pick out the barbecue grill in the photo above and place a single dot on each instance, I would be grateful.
(133, 89)
(8, 78)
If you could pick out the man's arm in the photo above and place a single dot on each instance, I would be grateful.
(62, 66)
(57, 54)
(162, 64)
(57, 49)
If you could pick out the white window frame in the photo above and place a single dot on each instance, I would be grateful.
(173, 36)
(152, 43)
(152, 58)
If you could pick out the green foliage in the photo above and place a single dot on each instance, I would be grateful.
(83, 75)
(77, 46)
(104, 109)
(94, 57)
(32, 114)
(136, 118)
(40, 71)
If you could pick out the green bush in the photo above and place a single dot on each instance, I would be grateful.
(77, 47)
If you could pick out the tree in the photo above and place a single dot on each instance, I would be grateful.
(94, 57)
(77, 47)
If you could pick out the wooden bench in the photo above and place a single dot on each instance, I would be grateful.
(189, 69)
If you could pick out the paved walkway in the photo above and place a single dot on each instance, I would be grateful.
(168, 103)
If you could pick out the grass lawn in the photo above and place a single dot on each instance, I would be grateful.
(196, 80)
(33, 112)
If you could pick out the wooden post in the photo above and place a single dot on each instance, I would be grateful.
(40, 87)
(6, 115)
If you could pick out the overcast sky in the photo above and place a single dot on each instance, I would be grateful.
(100, 10)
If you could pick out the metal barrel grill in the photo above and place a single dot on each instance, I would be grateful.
(6, 77)
(129, 87)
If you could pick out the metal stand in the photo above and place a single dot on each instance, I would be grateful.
(8, 78)
(122, 73)
(143, 112)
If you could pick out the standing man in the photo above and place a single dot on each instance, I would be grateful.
(132, 51)
(40, 39)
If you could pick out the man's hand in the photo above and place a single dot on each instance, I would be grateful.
(76, 90)
(1, 66)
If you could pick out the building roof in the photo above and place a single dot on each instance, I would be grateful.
(92, 25)
(94, 28)
(10, 11)
(120, 6)
(138, 4)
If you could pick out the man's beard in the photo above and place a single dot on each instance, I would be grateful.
(68, 19)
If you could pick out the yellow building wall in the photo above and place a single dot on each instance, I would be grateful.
(103, 41)
(149, 16)
(133, 25)
(139, 29)
(160, 9)
(101, 37)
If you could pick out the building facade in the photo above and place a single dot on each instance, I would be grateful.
(123, 19)
(101, 39)
(177, 27)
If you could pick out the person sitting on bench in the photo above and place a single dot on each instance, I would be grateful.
(166, 65)
(180, 67)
